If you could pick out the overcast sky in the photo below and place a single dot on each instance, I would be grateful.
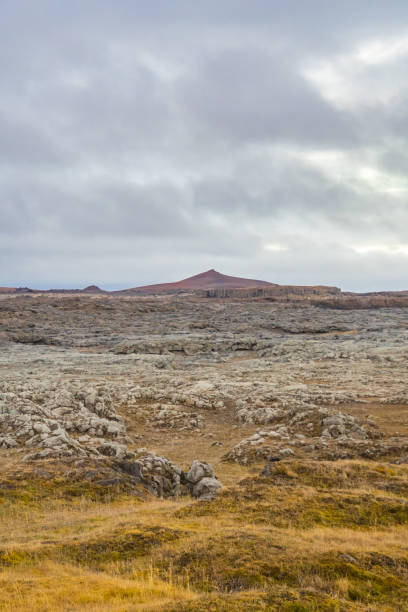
(146, 141)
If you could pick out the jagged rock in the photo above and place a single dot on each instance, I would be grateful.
(194, 344)
(271, 466)
(206, 489)
(199, 470)
(202, 481)
(167, 415)
(32, 338)
(48, 417)
(401, 460)
(164, 479)
(7, 442)
(111, 449)
(288, 367)
(286, 452)
(158, 474)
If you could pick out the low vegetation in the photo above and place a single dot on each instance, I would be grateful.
(312, 536)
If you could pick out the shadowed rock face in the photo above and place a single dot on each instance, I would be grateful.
(272, 292)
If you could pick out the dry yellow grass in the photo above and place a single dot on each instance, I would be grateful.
(58, 587)
(301, 541)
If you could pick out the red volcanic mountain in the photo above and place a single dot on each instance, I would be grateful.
(206, 280)
(92, 289)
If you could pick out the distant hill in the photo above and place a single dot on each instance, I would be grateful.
(92, 289)
(13, 290)
(213, 284)
(7, 289)
(206, 280)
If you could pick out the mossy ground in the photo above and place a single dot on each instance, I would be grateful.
(315, 536)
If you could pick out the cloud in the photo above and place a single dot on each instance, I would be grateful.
(252, 94)
(365, 77)
(143, 142)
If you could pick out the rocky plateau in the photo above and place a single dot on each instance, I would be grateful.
(215, 451)
(104, 377)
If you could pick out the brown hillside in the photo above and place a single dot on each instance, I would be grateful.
(206, 280)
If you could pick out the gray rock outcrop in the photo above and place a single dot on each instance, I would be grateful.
(164, 479)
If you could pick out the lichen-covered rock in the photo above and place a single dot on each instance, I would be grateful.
(167, 415)
(160, 476)
(52, 417)
(7, 442)
(291, 369)
(112, 449)
(202, 481)
(164, 479)
(199, 470)
(337, 436)
(206, 488)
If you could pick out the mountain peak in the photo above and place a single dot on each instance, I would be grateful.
(210, 279)
(92, 289)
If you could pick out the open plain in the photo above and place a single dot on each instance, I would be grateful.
(186, 453)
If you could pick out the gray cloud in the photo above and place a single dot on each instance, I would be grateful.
(143, 142)
(251, 94)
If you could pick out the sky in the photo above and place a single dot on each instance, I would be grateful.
(148, 141)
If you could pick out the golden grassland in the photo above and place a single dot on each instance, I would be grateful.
(314, 536)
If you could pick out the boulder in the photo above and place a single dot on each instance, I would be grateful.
(206, 489)
(199, 470)
(164, 479)
(157, 473)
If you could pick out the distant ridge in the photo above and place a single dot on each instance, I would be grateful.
(211, 279)
(89, 289)
(93, 289)
(214, 284)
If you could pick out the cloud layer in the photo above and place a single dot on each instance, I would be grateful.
(143, 142)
